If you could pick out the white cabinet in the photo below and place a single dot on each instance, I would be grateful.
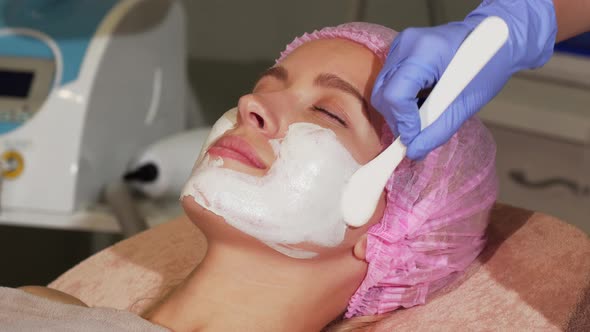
(542, 131)
(544, 174)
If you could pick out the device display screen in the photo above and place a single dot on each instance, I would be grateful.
(15, 84)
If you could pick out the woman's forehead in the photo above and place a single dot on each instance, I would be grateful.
(352, 61)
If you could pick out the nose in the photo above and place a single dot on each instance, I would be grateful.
(256, 112)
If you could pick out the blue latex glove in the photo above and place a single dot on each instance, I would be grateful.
(419, 56)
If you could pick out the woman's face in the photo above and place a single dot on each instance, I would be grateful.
(327, 83)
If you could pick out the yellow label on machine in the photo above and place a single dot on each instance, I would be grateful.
(13, 164)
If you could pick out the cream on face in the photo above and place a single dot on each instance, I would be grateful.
(297, 201)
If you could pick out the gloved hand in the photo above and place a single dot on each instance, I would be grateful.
(419, 56)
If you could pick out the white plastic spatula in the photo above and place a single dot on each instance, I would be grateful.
(364, 188)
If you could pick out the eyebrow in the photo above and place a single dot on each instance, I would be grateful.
(335, 82)
(278, 72)
(324, 80)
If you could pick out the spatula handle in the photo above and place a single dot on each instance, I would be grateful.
(473, 54)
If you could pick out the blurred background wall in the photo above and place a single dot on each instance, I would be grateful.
(232, 41)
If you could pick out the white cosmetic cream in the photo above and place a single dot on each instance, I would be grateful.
(297, 201)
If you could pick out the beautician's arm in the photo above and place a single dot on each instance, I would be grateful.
(573, 17)
(419, 56)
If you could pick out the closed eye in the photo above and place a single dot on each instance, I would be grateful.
(330, 114)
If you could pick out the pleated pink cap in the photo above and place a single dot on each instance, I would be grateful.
(375, 37)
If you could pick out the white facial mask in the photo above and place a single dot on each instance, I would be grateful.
(297, 201)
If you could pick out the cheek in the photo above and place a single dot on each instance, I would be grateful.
(363, 139)
(377, 121)
(364, 145)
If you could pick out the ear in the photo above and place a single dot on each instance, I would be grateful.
(360, 248)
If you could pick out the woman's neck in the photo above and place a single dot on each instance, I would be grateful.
(238, 290)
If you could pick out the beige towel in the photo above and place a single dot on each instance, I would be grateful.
(534, 275)
(21, 311)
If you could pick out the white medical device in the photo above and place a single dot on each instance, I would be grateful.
(84, 86)
(164, 167)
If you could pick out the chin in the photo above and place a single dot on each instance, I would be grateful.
(213, 226)
(197, 213)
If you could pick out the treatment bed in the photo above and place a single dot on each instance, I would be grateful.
(534, 275)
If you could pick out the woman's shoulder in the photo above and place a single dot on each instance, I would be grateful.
(36, 308)
(53, 294)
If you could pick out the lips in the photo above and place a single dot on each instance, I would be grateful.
(236, 148)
